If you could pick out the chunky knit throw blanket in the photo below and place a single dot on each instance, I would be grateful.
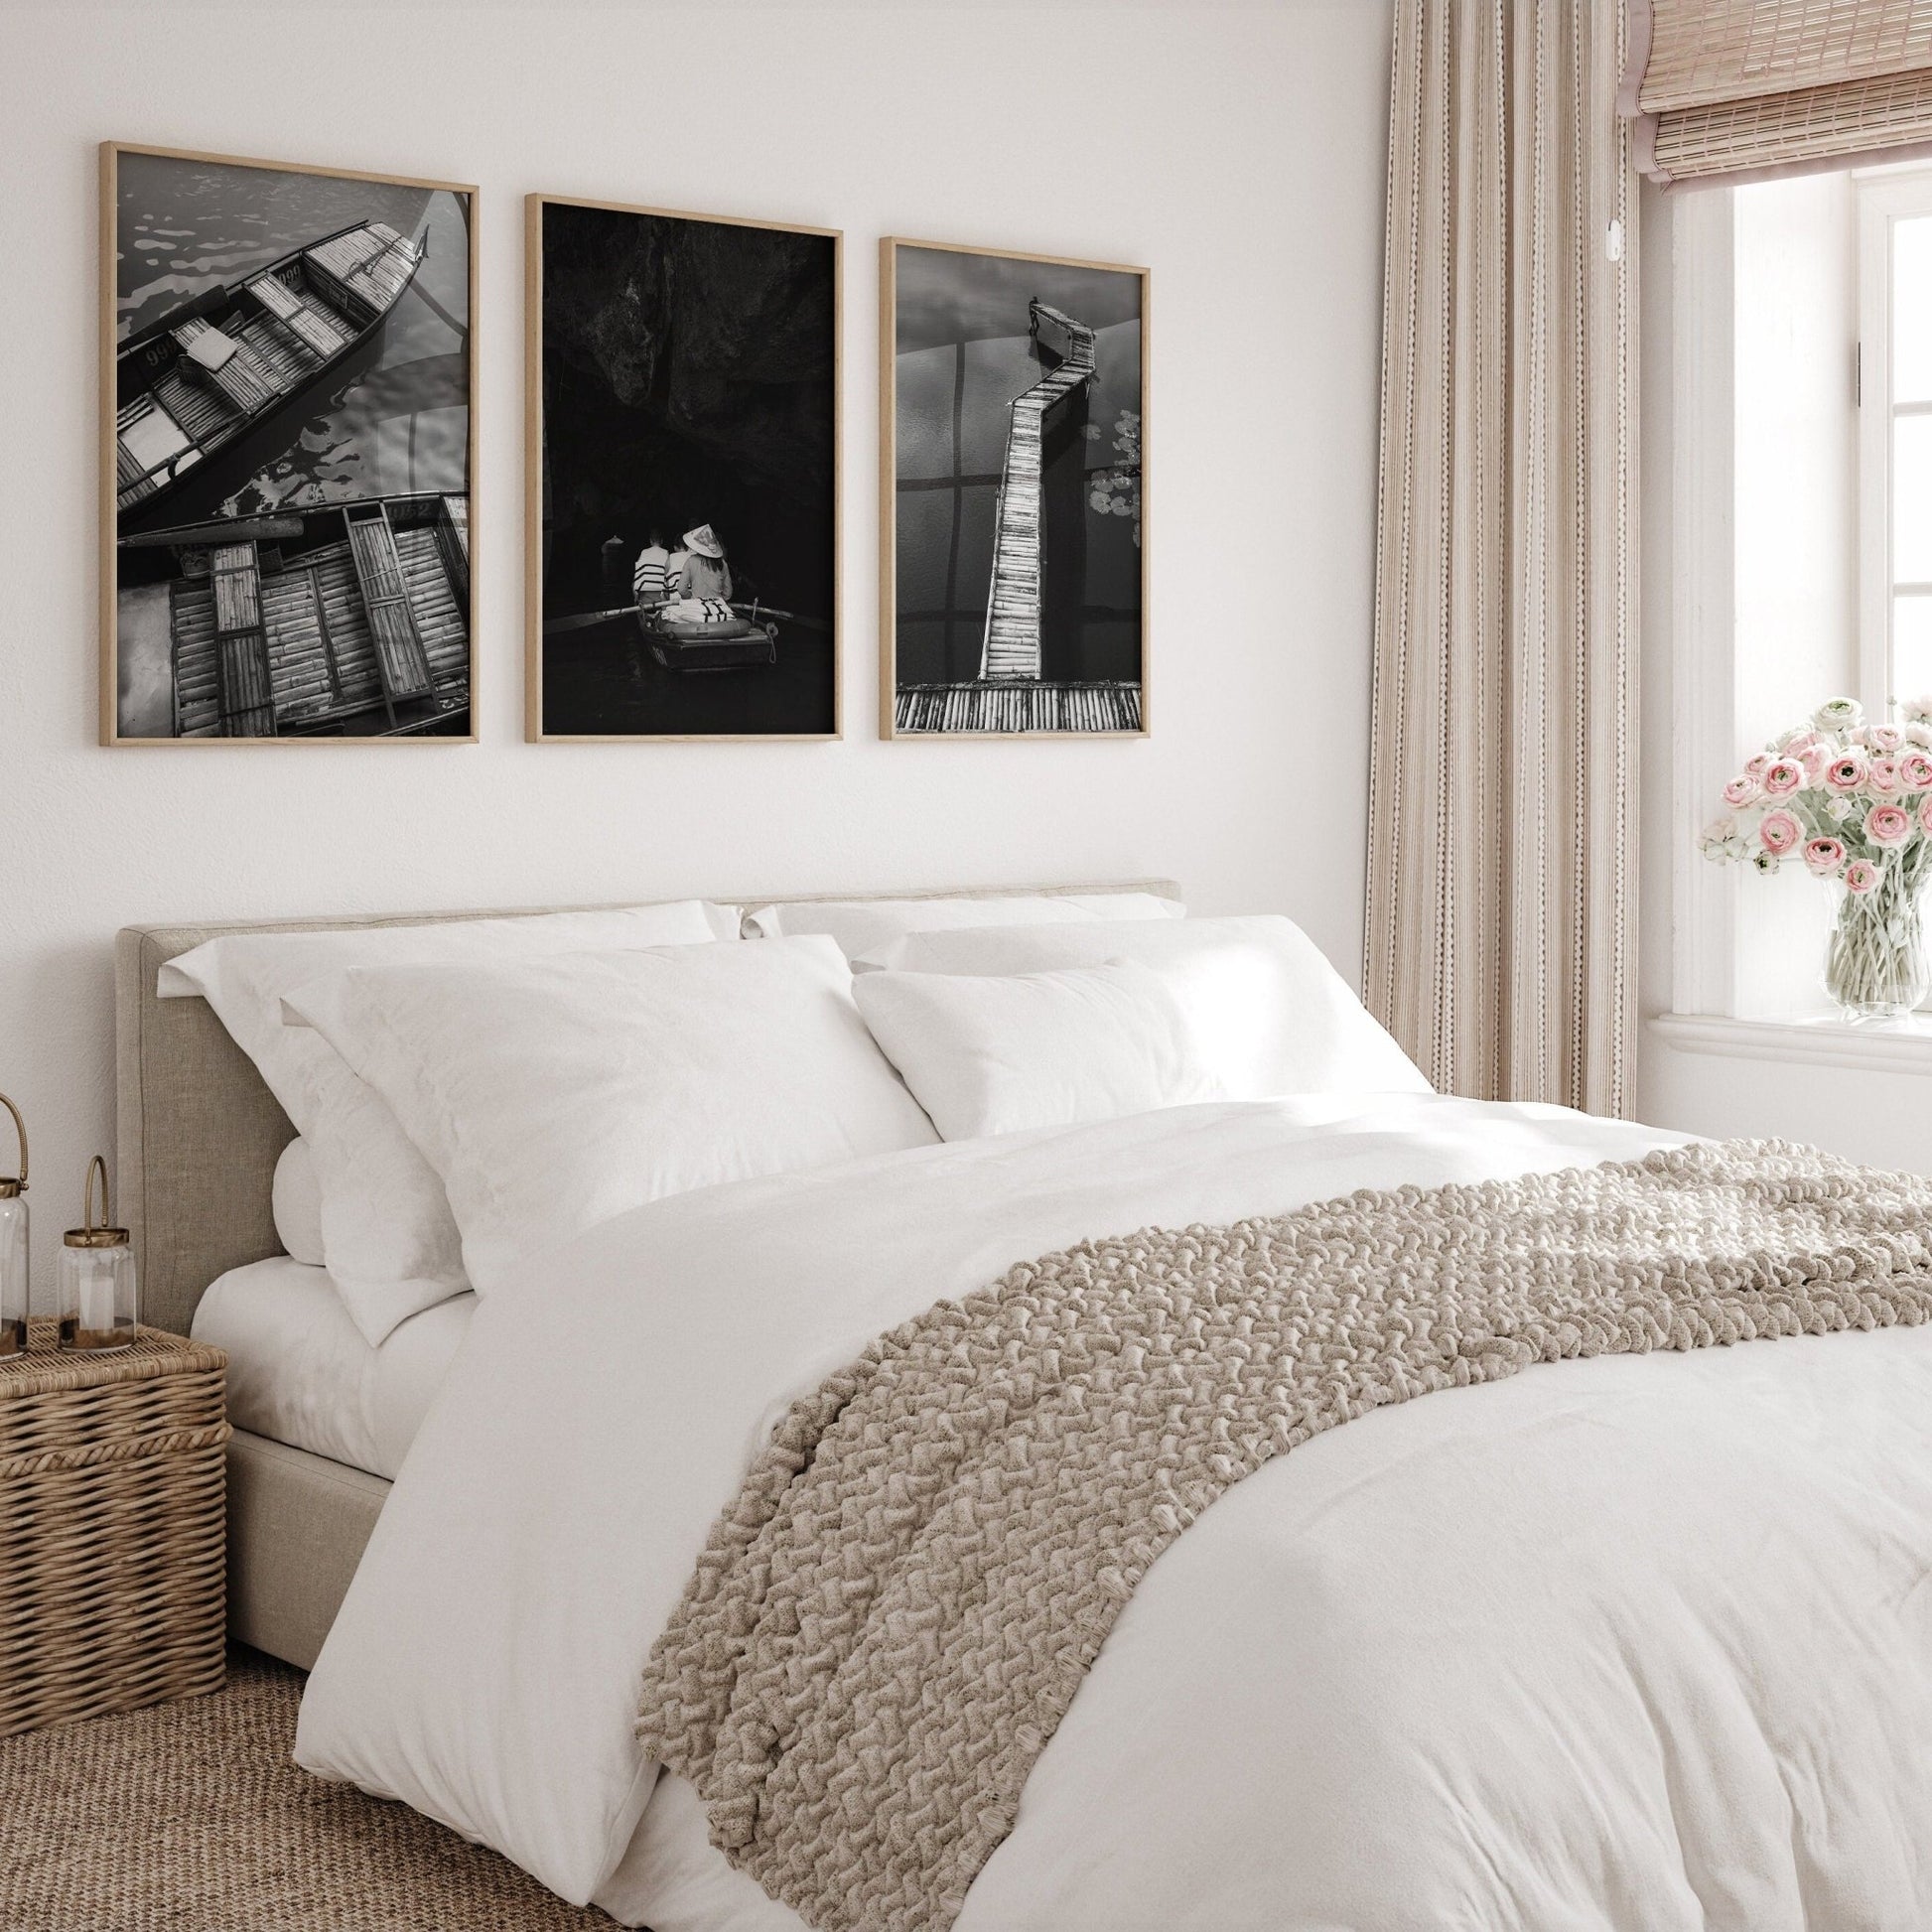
(889, 1621)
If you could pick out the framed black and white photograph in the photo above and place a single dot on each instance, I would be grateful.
(1013, 411)
(287, 419)
(682, 444)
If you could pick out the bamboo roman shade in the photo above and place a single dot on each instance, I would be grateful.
(1723, 89)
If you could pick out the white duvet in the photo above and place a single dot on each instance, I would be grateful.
(1638, 1642)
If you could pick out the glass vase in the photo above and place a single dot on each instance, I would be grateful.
(1876, 965)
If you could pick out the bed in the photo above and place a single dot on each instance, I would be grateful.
(1031, 1526)
(199, 1135)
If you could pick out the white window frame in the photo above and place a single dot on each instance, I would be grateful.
(1883, 198)
(1705, 989)
(1704, 652)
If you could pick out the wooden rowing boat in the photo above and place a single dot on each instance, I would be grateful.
(589, 619)
(217, 387)
(743, 641)
(348, 620)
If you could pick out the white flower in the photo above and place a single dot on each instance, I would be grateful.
(1839, 810)
(1722, 840)
(1838, 714)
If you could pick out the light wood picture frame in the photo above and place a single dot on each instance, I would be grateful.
(1013, 410)
(683, 455)
(287, 451)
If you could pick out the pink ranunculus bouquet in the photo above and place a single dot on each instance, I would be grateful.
(1853, 803)
(1835, 792)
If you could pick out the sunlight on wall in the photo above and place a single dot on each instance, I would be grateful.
(1796, 596)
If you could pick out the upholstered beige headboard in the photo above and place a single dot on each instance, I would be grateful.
(199, 1132)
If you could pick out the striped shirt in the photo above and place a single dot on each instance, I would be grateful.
(651, 579)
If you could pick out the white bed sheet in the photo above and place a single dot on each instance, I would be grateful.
(1634, 1644)
(301, 1373)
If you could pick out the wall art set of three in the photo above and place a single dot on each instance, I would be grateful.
(289, 434)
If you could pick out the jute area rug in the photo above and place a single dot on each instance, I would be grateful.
(190, 1818)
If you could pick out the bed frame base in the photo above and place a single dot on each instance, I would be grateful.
(297, 1527)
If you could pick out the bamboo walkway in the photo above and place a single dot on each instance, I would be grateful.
(1017, 705)
(1012, 641)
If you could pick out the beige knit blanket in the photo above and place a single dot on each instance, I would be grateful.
(889, 1621)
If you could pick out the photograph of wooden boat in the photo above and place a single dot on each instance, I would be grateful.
(216, 384)
(682, 476)
(342, 619)
(619, 667)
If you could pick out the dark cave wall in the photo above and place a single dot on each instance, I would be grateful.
(689, 377)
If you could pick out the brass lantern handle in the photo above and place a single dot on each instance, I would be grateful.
(20, 1134)
(96, 1165)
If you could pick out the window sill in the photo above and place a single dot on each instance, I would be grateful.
(1903, 1046)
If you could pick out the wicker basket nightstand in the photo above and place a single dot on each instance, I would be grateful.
(113, 1576)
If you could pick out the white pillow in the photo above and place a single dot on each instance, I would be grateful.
(390, 1244)
(553, 1093)
(295, 1199)
(864, 928)
(1269, 1015)
(1036, 1049)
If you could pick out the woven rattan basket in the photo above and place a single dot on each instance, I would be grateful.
(112, 1570)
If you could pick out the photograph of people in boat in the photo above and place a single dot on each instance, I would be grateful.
(1014, 441)
(683, 511)
(292, 448)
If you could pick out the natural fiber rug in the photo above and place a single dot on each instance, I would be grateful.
(188, 1817)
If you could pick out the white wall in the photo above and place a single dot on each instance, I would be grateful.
(1238, 151)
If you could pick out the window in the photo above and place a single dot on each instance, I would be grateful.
(1800, 534)
(1895, 434)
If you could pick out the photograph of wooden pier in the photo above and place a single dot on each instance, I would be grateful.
(288, 414)
(1013, 406)
(682, 497)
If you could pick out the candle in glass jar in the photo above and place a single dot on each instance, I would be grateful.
(97, 1293)
(96, 1284)
(15, 1293)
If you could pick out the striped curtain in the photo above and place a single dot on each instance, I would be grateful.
(1501, 945)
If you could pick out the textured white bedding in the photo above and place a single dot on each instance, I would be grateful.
(1640, 1643)
(300, 1372)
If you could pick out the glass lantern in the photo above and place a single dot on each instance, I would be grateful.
(14, 1254)
(97, 1299)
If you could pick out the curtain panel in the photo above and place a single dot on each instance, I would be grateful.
(1501, 947)
(1740, 89)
